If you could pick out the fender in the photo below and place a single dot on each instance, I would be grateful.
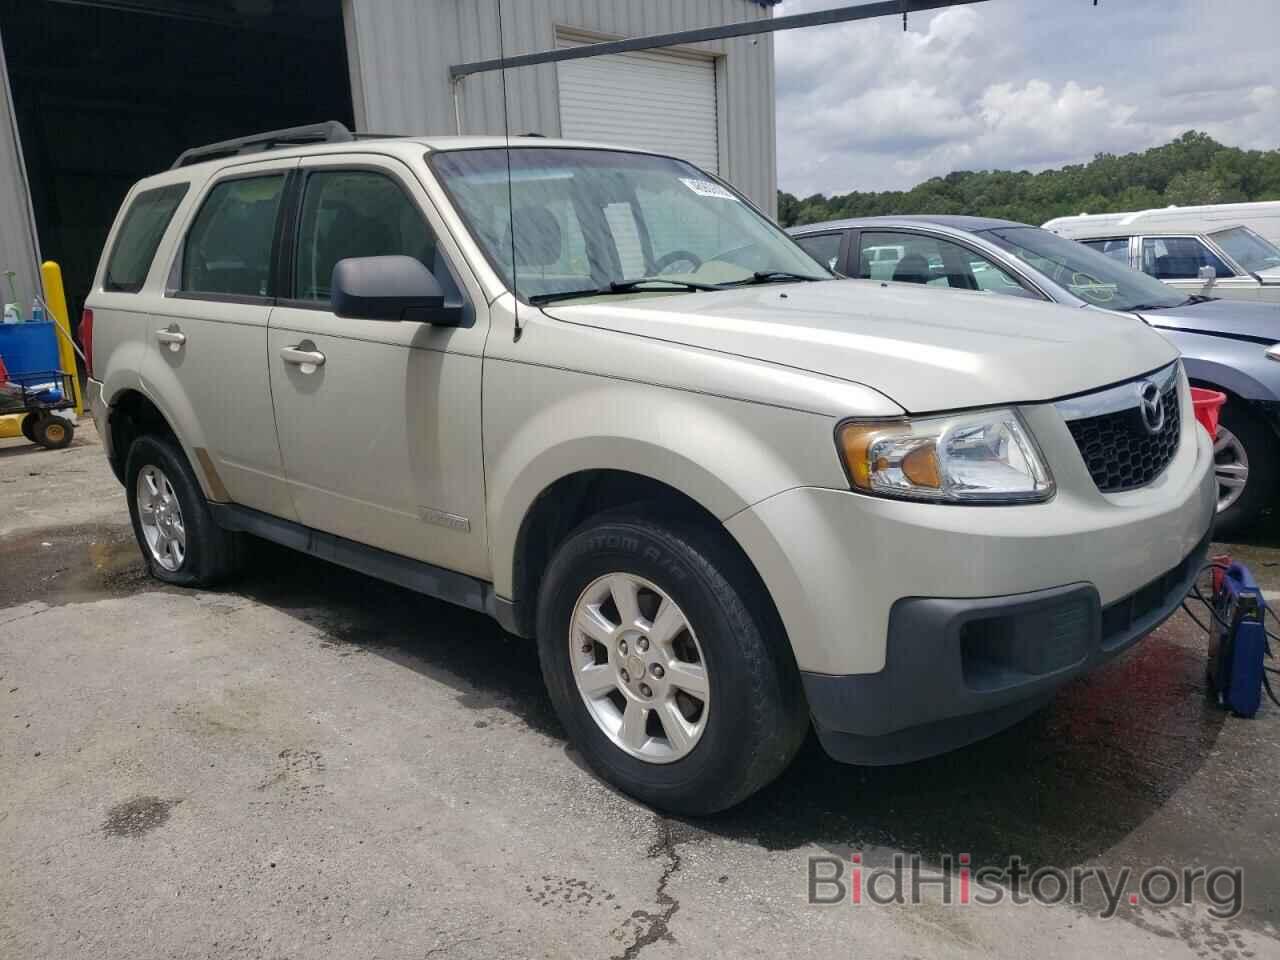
(724, 454)
(1237, 366)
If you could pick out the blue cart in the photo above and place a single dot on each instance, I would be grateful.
(39, 396)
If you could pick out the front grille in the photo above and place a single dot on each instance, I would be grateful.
(1120, 452)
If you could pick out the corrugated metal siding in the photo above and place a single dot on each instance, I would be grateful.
(18, 251)
(404, 48)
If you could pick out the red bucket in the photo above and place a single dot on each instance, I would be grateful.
(1208, 404)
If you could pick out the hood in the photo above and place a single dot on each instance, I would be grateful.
(1226, 318)
(926, 349)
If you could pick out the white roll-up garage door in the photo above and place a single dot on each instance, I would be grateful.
(654, 101)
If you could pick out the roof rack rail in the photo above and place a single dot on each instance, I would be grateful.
(331, 131)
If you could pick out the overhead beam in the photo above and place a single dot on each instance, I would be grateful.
(177, 10)
(866, 11)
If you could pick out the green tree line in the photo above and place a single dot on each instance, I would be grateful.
(1192, 169)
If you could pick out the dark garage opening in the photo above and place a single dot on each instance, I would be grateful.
(108, 91)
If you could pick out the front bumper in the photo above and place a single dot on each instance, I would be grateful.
(959, 670)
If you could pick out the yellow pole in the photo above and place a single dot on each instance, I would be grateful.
(55, 299)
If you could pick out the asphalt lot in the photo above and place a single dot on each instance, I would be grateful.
(314, 764)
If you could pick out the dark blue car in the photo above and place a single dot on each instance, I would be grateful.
(1227, 345)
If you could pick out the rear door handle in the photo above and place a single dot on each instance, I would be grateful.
(308, 360)
(173, 337)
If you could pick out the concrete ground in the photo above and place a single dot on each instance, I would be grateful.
(313, 764)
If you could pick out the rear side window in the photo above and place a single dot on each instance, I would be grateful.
(228, 248)
(144, 224)
(355, 213)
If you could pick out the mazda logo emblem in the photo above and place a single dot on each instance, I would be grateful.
(1152, 409)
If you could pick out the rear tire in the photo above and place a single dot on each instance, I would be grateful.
(746, 717)
(1238, 425)
(28, 427)
(172, 521)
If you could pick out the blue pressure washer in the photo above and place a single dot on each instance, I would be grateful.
(1238, 638)
(1238, 641)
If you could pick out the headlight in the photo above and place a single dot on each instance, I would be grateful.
(982, 457)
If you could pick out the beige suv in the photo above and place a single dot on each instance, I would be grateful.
(598, 395)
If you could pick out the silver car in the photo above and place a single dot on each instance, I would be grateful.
(1226, 345)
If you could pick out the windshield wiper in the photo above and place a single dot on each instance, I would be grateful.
(625, 286)
(621, 286)
(568, 295)
(772, 276)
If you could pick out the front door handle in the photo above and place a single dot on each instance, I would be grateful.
(173, 337)
(307, 360)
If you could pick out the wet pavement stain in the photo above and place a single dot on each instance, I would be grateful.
(138, 816)
(72, 564)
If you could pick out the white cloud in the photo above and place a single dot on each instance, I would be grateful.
(1025, 84)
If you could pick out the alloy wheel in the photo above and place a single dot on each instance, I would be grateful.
(1231, 466)
(639, 668)
(160, 516)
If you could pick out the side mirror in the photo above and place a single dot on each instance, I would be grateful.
(390, 288)
(1208, 273)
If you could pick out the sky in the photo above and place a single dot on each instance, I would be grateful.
(1017, 84)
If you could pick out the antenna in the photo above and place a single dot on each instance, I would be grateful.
(511, 202)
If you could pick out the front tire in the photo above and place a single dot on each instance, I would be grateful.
(670, 673)
(175, 529)
(1246, 461)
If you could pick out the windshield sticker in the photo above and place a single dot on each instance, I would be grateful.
(705, 188)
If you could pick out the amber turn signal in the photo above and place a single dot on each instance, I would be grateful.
(855, 446)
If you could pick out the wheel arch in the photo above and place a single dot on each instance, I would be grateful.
(131, 414)
(134, 412)
(570, 500)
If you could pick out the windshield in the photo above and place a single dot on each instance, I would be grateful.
(1093, 277)
(1248, 249)
(588, 219)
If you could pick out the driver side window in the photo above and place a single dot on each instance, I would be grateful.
(916, 258)
(355, 213)
(1179, 258)
(823, 247)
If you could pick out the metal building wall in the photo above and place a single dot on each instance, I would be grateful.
(18, 250)
(400, 52)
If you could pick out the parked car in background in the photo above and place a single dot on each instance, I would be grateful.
(1262, 217)
(1229, 250)
(723, 510)
(1226, 345)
